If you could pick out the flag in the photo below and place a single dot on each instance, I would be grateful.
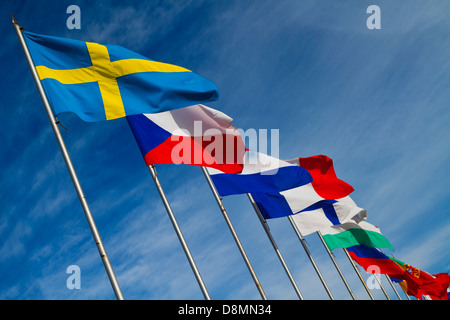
(374, 261)
(325, 181)
(448, 292)
(317, 215)
(433, 287)
(326, 213)
(194, 135)
(436, 288)
(320, 194)
(103, 82)
(351, 233)
(283, 187)
(261, 173)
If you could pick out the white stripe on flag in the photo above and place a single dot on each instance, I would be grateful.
(301, 197)
(316, 220)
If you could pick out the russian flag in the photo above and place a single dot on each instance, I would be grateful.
(374, 261)
(195, 135)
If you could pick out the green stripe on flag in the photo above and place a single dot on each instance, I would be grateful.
(353, 237)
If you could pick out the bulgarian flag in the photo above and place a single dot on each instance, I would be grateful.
(351, 234)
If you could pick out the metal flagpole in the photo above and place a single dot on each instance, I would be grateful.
(302, 240)
(393, 288)
(335, 264)
(272, 241)
(403, 290)
(233, 232)
(358, 273)
(381, 286)
(178, 232)
(68, 161)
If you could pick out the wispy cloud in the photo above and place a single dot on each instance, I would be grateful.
(375, 102)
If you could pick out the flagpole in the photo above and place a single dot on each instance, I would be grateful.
(275, 247)
(358, 273)
(178, 232)
(335, 264)
(68, 161)
(407, 296)
(233, 232)
(302, 240)
(403, 290)
(381, 286)
(393, 288)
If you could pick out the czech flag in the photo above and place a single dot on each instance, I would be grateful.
(196, 135)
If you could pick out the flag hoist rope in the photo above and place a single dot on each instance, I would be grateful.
(67, 160)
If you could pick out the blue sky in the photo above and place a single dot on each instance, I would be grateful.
(375, 101)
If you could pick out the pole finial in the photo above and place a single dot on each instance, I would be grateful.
(13, 20)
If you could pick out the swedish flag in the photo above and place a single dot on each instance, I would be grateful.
(103, 82)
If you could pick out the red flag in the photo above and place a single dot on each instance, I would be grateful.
(422, 283)
(325, 182)
(436, 287)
